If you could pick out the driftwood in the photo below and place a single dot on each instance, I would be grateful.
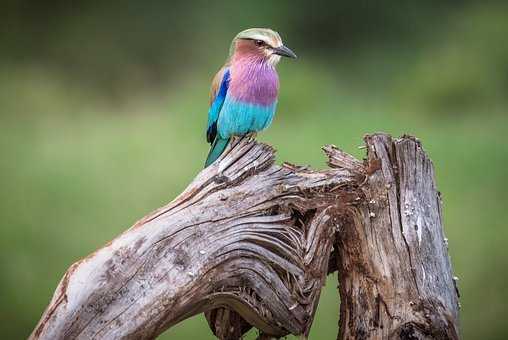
(250, 243)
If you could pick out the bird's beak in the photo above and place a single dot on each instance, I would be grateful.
(284, 51)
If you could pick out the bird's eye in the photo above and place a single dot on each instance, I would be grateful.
(259, 42)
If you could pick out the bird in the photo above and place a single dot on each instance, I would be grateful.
(243, 95)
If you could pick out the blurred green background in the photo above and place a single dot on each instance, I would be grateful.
(103, 111)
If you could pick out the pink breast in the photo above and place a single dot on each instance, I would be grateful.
(254, 82)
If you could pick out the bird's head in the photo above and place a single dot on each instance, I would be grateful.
(260, 43)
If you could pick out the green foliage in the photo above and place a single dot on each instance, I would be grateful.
(466, 70)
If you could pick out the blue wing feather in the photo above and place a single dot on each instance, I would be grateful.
(216, 106)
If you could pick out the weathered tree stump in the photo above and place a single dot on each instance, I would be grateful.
(252, 246)
(395, 276)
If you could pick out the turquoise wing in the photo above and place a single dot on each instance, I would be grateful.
(218, 94)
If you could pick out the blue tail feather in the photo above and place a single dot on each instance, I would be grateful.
(217, 148)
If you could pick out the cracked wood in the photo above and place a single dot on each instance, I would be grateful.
(395, 276)
(249, 243)
(255, 239)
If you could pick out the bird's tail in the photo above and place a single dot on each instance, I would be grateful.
(217, 148)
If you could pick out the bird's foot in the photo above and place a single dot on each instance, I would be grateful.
(251, 136)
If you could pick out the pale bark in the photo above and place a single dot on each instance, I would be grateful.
(395, 276)
(253, 238)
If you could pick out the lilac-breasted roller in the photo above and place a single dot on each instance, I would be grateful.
(244, 92)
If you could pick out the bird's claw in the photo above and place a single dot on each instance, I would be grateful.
(251, 136)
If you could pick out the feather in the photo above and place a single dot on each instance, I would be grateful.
(243, 96)
(218, 93)
(217, 148)
(238, 118)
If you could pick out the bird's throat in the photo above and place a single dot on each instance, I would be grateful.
(254, 80)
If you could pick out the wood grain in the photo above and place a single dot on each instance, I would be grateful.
(250, 243)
